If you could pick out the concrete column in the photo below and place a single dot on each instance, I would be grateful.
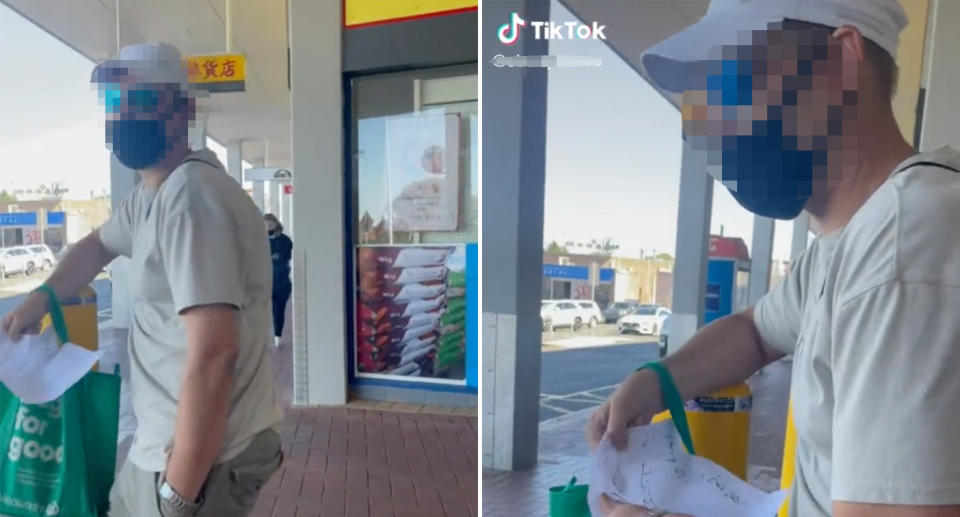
(275, 198)
(761, 252)
(316, 108)
(801, 230)
(235, 160)
(198, 134)
(693, 246)
(259, 195)
(941, 77)
(122, 183)
(514, 162)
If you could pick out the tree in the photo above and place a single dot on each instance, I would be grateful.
(6, 197)
(606, 247)
(555, 248)
(665, 256)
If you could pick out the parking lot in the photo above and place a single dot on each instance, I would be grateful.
(15, 288)
(581, 368)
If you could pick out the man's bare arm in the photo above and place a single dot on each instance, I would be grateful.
(76, 270)
(212, 335)
(721, 354)
(80, 266)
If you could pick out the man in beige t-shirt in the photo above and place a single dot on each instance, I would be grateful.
(200, 379)
(788, 103)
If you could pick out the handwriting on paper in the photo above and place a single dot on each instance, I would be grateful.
(655, 471)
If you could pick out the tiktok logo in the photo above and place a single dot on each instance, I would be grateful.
(509, 32)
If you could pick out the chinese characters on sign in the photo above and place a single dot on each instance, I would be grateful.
(218, 72)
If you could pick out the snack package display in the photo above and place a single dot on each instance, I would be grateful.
(381, 257)
(411, 311)
(399, 276)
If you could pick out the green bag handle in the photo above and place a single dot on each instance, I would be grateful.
(673, 401)
(56, 313)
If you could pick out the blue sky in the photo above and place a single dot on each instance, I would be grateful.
(52, 128)
(613, 158)
(52, 124)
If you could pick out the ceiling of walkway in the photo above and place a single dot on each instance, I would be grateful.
(258, 115)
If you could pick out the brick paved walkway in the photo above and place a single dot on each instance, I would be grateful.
(563, 452)
(356, 461)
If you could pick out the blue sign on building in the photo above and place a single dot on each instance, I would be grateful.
(721, 275)
(473, 321)
(575, 273)
(56, 218)
(18, 219)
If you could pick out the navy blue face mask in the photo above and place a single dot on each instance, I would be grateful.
(138, 144)
(773, 178)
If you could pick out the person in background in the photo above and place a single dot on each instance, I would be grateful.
(281, 250)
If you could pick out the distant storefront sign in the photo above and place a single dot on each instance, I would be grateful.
(576, 273)
(360, 13)
(56, 218)
(267, 174)
(18, 219)
(218, 72)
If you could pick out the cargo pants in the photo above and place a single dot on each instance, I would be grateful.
(231, 489)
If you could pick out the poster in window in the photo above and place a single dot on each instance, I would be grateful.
(412, 312)
(423, 173)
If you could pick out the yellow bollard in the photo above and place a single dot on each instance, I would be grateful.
(80, 315)
(720, 427)
(789, 460)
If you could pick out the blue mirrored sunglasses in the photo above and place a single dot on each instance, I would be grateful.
(115, 98)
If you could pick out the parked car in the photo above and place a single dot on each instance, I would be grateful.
(664, 336)
(646, 319)
(619, 310)
(17, 260)
(590, 312)
(45, 257)
(560, 313)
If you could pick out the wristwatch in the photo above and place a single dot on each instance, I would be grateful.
(174, 501)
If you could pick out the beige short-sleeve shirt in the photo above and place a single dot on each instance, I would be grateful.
(870, 314)
(197, 240)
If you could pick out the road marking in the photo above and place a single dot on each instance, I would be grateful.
(547, 400)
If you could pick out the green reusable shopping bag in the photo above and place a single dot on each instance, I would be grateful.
(571, 500)
(60, 456)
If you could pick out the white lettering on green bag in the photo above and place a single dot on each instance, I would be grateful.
(37, 426)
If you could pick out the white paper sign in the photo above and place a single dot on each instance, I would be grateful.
(37, 369)
(656, 472)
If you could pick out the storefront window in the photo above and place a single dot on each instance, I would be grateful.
(414, 189)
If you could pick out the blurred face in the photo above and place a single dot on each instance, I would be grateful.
(143, 121)
(769, 118)
(271, 226)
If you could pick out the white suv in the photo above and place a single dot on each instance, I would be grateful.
(16, 260)
(560, 313)
(590, 312)
(45, 257)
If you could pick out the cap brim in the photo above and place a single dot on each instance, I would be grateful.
(670, 64)
(114, 70)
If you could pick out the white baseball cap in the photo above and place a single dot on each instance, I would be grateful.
(730, 22)
(153, 62)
